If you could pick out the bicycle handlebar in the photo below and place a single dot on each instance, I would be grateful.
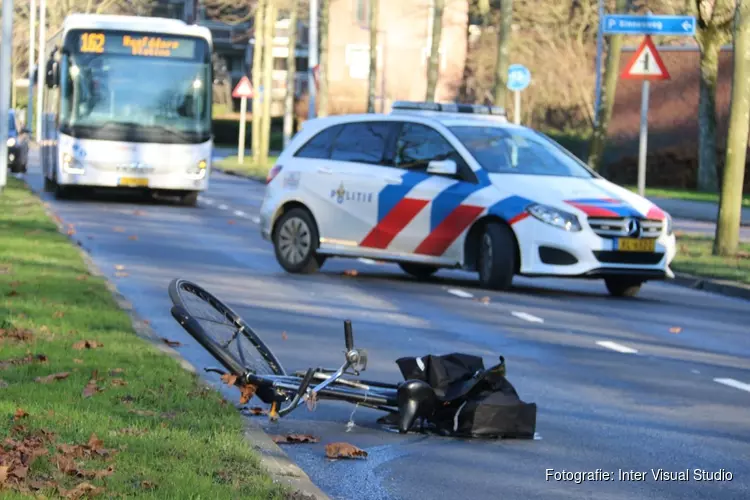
(348, 336)
(300, 392)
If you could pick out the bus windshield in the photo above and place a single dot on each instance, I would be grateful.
(135, 87)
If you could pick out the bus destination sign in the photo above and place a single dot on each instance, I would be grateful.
(136, 45)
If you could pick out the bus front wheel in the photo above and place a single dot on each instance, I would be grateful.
(189, 199)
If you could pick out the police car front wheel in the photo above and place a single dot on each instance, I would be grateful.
(295, 241)
(622, 287)
(497, 257)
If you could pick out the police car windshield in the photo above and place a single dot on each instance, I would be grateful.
(519, 151)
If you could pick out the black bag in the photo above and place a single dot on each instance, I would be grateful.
(473, 401)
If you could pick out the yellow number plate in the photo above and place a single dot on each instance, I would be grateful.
(133, 182)
(636, 245)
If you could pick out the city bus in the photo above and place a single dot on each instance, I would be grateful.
(127, 104)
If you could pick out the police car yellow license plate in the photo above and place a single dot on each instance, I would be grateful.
(133, 181)
(636, 245)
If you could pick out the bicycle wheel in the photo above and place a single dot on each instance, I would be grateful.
(222, 331)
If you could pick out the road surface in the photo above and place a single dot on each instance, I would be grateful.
(657, 382)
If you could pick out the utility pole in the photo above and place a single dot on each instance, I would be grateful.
(312, 57)
(32, 41)
(41, 70)
(5, 77)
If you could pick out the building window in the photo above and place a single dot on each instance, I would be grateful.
(362, 12)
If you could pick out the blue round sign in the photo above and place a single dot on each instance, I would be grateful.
(519, 77)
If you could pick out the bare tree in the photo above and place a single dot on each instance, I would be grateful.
(714, 30)
(607, 100)
(505, 25)
(374, 13)
(433, 67)
(291, 72)
(730, 204)
(258, 44)
(269, 29)
(322, 94)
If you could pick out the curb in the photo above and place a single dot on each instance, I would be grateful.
(273, 459)
(721, 287)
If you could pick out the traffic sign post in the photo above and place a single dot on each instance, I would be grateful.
(5, 83)
(645, 65)
(519, 77)
(243, 90)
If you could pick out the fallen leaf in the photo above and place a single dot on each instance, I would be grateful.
(116, 371)
(12, 293)
(91, 387)
(484, 300)
(118, 382)
(52, 378)
(133, 237)
(148, 485)
(118, 229)
(29, 358)
(295, 438)
(87, 344)
(3, 473)
(344, 450)
(22, 334)
(80, 491)
(247, 392)
(284, 336)
(58, 314)
(5, 268)
(675, 329)
(229, 378)
(82, 277)
(20, 413)
(171, 343)
(77, 361)
(257, 410)
(231, 222)
(351, 272)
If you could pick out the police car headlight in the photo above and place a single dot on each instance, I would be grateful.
(71, 165)
(555, 217)
(11, 142)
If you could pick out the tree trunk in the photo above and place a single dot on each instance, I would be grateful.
(291, 72)
(505, 25)
(374, 13)
(607, 101)
(730, 203)
(268, 34)
(256, 76)
(323, 69)
(710, 43)
(433, 68)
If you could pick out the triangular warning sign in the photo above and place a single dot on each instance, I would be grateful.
(646, 64)
(243, 89)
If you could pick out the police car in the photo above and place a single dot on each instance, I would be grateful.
(433, 185)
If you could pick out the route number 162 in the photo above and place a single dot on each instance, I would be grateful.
(92, 42)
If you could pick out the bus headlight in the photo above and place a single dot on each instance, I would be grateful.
(11, 142)
(555, 217)
(199, 170)
(71, 165)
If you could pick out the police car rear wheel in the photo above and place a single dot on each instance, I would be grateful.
(295, 239)
(622, 287)
(497, 257)
(419, 271)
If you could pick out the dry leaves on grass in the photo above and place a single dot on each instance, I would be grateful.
(51, 378)
(5, 268)
(81, 490)
(29, 358)
(21, 334)
(82, 277)
(20, 413)
(294, 438)
(92, 387)
(87, 344)
(344, 450)
(118, 382)
(16, 456)
(171, 343)
(116, 371)
(58, 314)
(12, 293)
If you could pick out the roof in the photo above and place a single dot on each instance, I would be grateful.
(135, 23)
(442, 118)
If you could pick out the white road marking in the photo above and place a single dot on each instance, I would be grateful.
(239, 213)
(527, 317)
(617, 347)
(697, 372)
(255, 219)
(365, 260)
(733, 383)
(223, 207)
(460, 293)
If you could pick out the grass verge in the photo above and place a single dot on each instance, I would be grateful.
(694, 257)
(86, 404)
(685, 194)
(247, 167)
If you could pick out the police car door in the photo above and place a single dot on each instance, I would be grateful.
(434, 233)
(349, 182)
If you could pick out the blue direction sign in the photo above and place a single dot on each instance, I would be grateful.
(622, 24)
(519, 77)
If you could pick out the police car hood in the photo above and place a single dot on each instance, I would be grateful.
(583, 197)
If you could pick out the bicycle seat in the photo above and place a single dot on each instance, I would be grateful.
(416, 399)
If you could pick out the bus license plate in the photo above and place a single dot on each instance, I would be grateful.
(636, 245)
(133, 182)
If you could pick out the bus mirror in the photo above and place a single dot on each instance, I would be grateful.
(52, 77)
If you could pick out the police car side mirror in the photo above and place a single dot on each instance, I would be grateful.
(442, 167)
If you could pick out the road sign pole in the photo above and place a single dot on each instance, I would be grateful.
(5, 77)
(32, 41)
(643, 146)
(517, 107)
(312, 57)
(599, 50)
(241, 142)
(41, 69)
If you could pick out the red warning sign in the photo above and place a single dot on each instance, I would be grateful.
(646, 64)
(243, 89)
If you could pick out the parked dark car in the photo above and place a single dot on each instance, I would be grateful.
(18, 145)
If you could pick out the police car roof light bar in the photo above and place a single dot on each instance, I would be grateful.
(476, 109)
